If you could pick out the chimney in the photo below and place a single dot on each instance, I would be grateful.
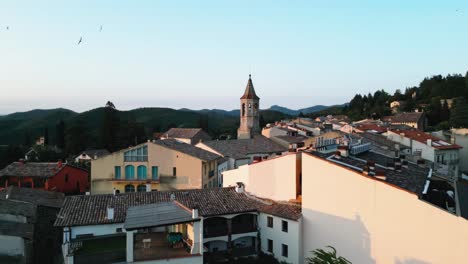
(343, 150)
(59, 164)
(239, 187)
(148, 187)
(195, 213)
(429, 142)
(380, 174)
(337, 155)
(452, 139)
(110, 213)
(114, 191)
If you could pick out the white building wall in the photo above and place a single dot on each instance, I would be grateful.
(96, 230)
(369, 221)
(274, 179)
(11, 246)
(292, 238)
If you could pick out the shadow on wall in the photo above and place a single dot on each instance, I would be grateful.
(349, 237)
(410, 261)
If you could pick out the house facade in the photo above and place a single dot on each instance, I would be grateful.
(191, 226)
(416, 120)
(49, 176)
(156, 165)
(444, 156)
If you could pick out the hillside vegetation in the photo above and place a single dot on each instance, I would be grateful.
(427, 96)
(107, 127)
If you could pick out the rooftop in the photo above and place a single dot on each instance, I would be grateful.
(92, 209)
(422, 137)
(96, 152)
(187, 149)
(412, 179)
(33, 169)
(240, 148)
(292, 139)
(155, 215)
(34, 196)
(412, 117)
(182, 132)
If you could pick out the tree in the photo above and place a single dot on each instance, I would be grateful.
(46, 136)
(321, 256)
(109, 104)
(60, 134)
(301, 114)
(459, 114)
(109, 129)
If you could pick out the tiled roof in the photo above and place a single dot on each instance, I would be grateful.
(288, 211)
(182, 132)
(370, 127)
(404, 117)
(34, 196)
(96, 152)
(92, 209)
(249, 91)
(33, 169)
(292, 139)
(422, 137)
(411, 179)
(240, 148)
(187, 149)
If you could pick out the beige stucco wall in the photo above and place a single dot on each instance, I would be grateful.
(369, 221)
(189, 171)
(274, 178)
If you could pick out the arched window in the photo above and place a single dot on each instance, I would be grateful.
(141, 188)
(141, 172)
(243, 109)
(129, 188)
(129, 172)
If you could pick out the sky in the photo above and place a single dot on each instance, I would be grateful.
(198, 54)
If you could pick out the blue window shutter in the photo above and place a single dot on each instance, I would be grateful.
(117, 172)
(154, 172)
(129, 172)
(141, 170)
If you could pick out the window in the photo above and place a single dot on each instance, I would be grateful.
(243, 109)
(270, 246)
(138, 154)
(141, 188)
(117, 172)
(270, 221)
(284, 226)
(154, 172)
(129, 172)
(284, 250)
(66, 177)
(174, 171)
(129, 188)
(141, 172)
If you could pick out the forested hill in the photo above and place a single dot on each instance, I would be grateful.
(111, 128)
(427, 96)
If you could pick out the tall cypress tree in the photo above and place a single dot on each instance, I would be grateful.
(46, 136)
(60, 134)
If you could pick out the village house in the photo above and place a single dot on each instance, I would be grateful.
(91, 154)
(353, 194)
(416, 120)
(443, 155)
(186, 135)
(155, 165)
(186, 226)
(49, 176)
(27, 234)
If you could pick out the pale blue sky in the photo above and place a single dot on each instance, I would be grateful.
(198, 54)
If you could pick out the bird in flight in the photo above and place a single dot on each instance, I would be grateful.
(7, 28)
(79, 41)
(100, 29)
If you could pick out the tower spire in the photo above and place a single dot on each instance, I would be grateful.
(249, 90)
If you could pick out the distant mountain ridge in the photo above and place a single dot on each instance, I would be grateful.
(307, 110)
(20, 127)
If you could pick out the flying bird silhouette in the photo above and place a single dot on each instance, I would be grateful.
(100, 29)
(7, 28)
(79, 41)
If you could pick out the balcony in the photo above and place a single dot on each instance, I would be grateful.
(154, 246)
(214, 227)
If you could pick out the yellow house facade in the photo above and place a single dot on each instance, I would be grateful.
(157, 165)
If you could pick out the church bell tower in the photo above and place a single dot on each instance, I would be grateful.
(249, 113)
